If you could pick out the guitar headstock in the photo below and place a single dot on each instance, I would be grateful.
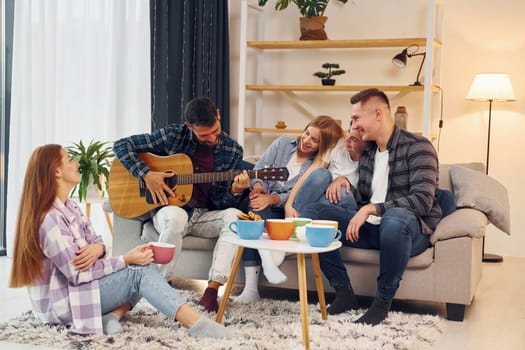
(272, 174)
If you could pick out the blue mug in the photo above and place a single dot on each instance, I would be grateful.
(321, 235)
(246, 229)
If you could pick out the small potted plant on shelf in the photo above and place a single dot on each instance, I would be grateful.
(333, 69)
(95, 163)
(312, 12)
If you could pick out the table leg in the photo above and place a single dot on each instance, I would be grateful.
(319, 285)
(88, 210)
(108, 220)
(229, 284)
(303, 298)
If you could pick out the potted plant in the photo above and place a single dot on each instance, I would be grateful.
(312, 20)
(95, 163)
(333, 69)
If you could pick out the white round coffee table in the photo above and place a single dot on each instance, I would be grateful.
(290, 246)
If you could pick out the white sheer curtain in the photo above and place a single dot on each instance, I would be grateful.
(81, 70)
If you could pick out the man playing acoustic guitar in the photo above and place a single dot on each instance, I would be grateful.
(212, 204)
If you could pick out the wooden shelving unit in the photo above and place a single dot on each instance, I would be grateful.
(273, 131)
(430, 43)
(339, 44)
(395, 88)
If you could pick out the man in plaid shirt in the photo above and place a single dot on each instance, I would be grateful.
(398, 207)
(211, 208)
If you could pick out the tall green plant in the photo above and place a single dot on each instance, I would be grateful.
(95, 160)
(307, 8)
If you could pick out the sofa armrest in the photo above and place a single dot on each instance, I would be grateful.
(106, 206)
(462, 222)
(126, 234)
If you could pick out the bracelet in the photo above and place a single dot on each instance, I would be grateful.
(235, 194)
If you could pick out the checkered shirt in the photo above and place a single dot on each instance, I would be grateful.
(64, 295)
(174, 139)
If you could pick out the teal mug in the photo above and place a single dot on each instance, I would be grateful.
(247, 229)
(321, 235)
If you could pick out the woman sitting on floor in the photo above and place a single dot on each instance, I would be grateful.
(71, 280)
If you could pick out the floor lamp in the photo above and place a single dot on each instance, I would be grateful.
(490, 87)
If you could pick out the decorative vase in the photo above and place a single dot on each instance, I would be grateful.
(401, 117)
(92, 191)
(328, 82)
(312, 28)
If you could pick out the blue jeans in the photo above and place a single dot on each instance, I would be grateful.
(129, 285)
(314, 189)
(398, 237)
(251, 257)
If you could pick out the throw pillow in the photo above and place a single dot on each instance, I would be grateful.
(476, 190)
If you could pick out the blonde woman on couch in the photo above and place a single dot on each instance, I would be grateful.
(268, 198)
(70, 279)
(332, 183)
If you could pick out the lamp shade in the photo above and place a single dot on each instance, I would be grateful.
(491, 87)
(400, 60)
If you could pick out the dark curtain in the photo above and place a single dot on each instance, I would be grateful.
(189, 57)
(7, 30)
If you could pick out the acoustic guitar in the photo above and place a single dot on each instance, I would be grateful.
(130, 198)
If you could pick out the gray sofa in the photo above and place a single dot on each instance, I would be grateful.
(449, 271)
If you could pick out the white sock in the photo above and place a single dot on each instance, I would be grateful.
(271, 271)
(204, 327)
(277, 256)
(111, 324)
(250, 293)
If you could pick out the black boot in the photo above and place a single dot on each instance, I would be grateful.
(345, 300)
(377, 312)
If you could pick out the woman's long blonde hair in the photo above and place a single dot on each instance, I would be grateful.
(38, 194)
(331, 132)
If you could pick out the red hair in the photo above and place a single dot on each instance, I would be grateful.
(38, 194)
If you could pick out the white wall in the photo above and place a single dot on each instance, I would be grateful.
(479, 36)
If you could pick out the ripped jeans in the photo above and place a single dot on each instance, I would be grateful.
(172, 224)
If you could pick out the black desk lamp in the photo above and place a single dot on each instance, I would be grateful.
(400, 61)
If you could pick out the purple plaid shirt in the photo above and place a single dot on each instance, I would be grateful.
(65, 295)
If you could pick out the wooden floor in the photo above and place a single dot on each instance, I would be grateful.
(495, 320)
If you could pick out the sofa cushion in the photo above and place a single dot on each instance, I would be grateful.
(371, 257)
(479, 191)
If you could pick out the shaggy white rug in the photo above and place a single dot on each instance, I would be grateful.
(268, 324)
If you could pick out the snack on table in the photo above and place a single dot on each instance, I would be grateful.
(251, 216)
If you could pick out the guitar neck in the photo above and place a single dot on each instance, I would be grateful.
(198, 178)
(269, 174)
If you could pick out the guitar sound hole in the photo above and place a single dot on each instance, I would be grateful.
(171, 181)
